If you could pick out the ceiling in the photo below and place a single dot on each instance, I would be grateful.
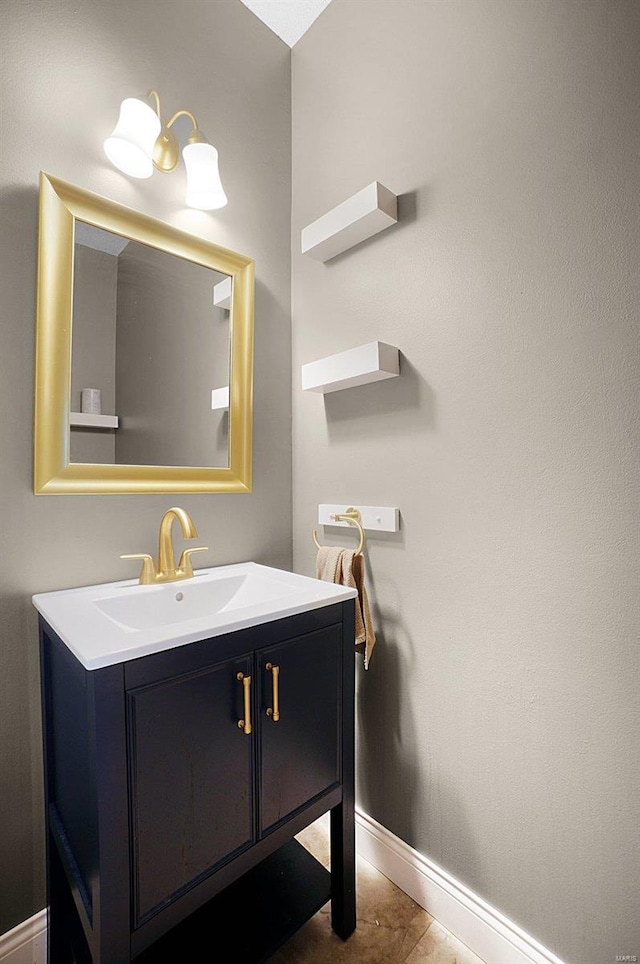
(289, 19)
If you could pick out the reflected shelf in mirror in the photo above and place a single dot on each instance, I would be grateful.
(87, 420)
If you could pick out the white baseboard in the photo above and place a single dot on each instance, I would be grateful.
(26, 943)
(485, 931)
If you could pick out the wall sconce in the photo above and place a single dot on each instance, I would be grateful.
(140, 142)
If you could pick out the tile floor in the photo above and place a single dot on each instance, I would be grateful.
(391, 929)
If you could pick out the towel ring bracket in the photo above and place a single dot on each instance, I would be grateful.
(352, 517)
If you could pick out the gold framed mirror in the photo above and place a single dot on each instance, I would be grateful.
(129, 302)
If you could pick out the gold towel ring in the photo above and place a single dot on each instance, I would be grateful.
(352, 516)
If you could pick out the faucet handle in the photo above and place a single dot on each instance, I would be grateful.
(148, 568)
(185, 559)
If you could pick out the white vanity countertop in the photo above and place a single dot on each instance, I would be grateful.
(118, 621)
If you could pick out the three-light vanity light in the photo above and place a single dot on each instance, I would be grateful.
(141, 142)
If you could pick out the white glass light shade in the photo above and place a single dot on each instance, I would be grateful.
(204, 188)
(130, 147)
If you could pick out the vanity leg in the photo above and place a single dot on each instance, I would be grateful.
(343, 831)
(65, 940)
(343, 870)
(58, 946)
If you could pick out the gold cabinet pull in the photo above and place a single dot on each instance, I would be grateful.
(274, 711)
(245, 724)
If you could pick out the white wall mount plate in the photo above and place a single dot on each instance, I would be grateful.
(373, 517)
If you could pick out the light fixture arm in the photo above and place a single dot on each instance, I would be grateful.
(166, 152)
(156, 96)
(180, 113)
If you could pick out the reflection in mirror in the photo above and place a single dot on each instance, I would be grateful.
(155, 361)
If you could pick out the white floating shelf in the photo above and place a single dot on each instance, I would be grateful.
(84, 420)
(222, 294)
(357, 366)
(364, 214)
(220, 398)
(377, 517)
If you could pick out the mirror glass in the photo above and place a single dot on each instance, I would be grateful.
(161, 370)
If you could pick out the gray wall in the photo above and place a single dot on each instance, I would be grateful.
(64, 68)
(499, 719)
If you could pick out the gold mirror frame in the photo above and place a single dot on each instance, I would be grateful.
(60, 205)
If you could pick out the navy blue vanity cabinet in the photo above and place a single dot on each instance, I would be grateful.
(176, 783)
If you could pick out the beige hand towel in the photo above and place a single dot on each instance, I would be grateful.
(328, 563)
(345, 568)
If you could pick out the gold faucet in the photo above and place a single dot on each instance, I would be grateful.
(167, 571)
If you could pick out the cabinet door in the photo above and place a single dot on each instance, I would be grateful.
(299, 752)
(191, 780)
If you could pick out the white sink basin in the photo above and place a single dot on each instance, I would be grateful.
(118, 621)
